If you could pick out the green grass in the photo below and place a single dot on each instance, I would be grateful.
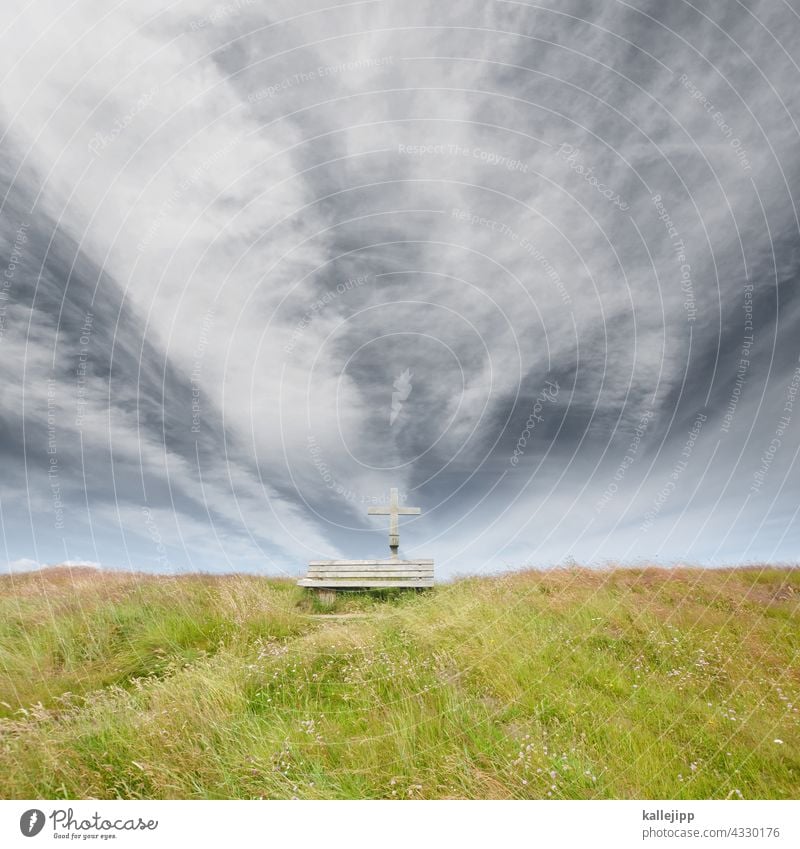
(567, 684)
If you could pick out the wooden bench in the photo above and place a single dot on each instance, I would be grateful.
(368, 574)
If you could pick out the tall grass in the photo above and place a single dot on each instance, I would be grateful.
(567, 684)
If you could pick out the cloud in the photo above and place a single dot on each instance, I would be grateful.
(22, 565)
(241, 226)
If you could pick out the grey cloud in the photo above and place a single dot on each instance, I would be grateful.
(521, 195)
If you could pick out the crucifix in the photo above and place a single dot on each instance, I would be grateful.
(393, 511)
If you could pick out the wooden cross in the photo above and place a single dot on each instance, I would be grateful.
(393, 511)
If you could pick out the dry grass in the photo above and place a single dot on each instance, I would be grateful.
(626, 683)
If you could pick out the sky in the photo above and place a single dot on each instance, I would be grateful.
(535, 265)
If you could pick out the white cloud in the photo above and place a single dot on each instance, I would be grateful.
(24, 564)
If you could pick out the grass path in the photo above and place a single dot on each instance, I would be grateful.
(568, 684)
(337, 616)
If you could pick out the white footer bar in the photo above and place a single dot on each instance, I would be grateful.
(401, 824)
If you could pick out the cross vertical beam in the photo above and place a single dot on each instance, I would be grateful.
(393, 511)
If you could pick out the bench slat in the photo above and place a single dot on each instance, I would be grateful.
(333, 583)
(365, 573)
(387, 567)
(387, 562)
(414, 567)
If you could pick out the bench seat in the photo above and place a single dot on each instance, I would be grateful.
(368, 574)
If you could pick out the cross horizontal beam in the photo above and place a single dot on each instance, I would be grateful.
(393, 511)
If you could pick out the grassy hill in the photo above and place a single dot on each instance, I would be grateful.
(566, 684)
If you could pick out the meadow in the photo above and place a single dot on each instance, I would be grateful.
(564, 684)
